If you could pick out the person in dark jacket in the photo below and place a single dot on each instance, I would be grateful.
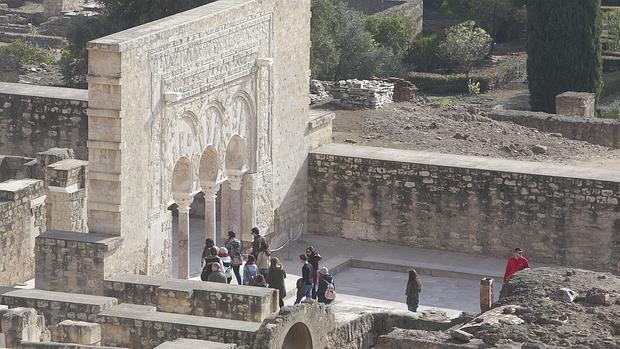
(313, 258)
(275, 278)
(324, 280)
(205, 252)
(306, 274)
(258, 243)
(216, 274)
(208, 261)
(414, 287)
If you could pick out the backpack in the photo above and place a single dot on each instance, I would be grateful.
(330, 292)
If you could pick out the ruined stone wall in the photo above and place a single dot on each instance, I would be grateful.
(475, 205)
(56, 7)
(22, 218)
(593, 130)
(232, 67)
(36, 118)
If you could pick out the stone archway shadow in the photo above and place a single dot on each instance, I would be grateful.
(302, 326)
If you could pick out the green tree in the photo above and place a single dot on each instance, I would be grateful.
(327, 25)
(465, 45)
(564, 49)
(393, 32)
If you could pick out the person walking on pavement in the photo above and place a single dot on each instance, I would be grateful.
(414, 287)
(258, 243)
(313, 258)
(249, 270)
(326, 291)
(233, 245)
(226, 263)
(515, 264)
(208, 261)
(216, 274)
(306, 274)
(275, 278)
(205, 252)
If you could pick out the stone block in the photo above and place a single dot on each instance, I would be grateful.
(79, 332)
(575, 104)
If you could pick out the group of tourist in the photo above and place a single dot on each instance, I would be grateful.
(263, 270)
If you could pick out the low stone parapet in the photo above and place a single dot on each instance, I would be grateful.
(575, 104)
(193, 297)
(57, 306)
(135, 328)
(184, 343)
(78, 332)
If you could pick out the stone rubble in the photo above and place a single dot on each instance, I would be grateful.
(371, 94)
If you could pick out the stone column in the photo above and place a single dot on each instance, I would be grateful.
(486, 294)
(183, 234)
(235, 179)
(210, 192)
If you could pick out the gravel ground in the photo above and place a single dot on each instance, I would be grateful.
(458, 126)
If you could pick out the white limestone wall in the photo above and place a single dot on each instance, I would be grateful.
(168, 89)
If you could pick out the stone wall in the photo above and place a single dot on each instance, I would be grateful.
(56, 7)
(36, 118)
(557, 214)
(75, 262)
(593, 130)
(22, 219)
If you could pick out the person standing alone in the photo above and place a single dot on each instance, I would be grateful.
(516, 263)
(306, 274)
(414, 287)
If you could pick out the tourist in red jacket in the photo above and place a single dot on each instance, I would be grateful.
(516, 263)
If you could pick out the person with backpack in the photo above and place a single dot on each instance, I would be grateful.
(326, 291)
(205, 252)
(275, 278)
(259, 281)
(414, 287)
(249, 270)
(234, 250)
(208, 261)
(226, 263)
(314, 258)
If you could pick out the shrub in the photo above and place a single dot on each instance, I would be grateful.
(27, 53)
(611, 29)
(464, 46)
(564, 49)
(423, 54)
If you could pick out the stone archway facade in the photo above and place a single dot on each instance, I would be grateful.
(172, 89)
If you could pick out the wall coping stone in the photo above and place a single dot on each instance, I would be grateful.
(470, 162)
(120, 311)
(194, 285)
(184, 343)
(10, 88)
(68, 164)
(53, 296)
(111, 241)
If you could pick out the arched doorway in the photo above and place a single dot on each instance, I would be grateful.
(298, 337)
(209, 172)
(181, 187)
(236, 167)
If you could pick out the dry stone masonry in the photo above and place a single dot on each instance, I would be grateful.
(466, 204)
(576, 104)
(371, 94)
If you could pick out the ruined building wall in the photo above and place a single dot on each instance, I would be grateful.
(168, 89)
(36, 118)
(22, 219)
(474, 205)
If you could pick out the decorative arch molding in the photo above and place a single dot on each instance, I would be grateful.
(209, 168)
(182, 177)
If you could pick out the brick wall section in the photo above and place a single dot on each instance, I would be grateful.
(484, 206)
(593, 130)
(35, 118)
(22, 218)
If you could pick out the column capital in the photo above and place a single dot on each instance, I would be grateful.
(210, 191)
(183, 202)
(235, 178)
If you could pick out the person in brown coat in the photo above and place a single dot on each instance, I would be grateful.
(275, 278)
(414, 286)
